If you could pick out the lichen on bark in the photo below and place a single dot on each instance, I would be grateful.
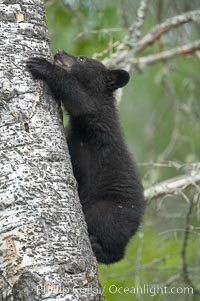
(44, 247)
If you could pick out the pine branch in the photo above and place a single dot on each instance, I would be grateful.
(172, 185)
(122, 55)
(135, 30)
(167, 54)
(169, 24)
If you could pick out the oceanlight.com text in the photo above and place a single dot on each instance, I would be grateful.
(146, 289)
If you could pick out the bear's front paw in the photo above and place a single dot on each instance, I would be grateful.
(95, 244)
(38, 66)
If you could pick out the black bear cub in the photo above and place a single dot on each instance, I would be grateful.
(109, 186)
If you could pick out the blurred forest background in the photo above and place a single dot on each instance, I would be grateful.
(160, 115)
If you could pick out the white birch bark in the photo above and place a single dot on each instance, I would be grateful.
(44, 247)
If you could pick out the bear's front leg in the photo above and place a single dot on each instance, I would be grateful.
(50, 73)
(40, 67)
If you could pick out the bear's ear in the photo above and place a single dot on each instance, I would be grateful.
(117, 79)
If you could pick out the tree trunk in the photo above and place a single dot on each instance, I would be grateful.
(44, 247)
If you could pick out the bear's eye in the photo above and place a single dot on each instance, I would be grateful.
(81, 59)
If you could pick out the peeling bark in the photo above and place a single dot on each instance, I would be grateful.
(45, 252)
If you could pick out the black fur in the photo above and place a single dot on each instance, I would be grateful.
(109, 186)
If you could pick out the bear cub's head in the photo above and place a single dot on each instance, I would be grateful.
(90, 73)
